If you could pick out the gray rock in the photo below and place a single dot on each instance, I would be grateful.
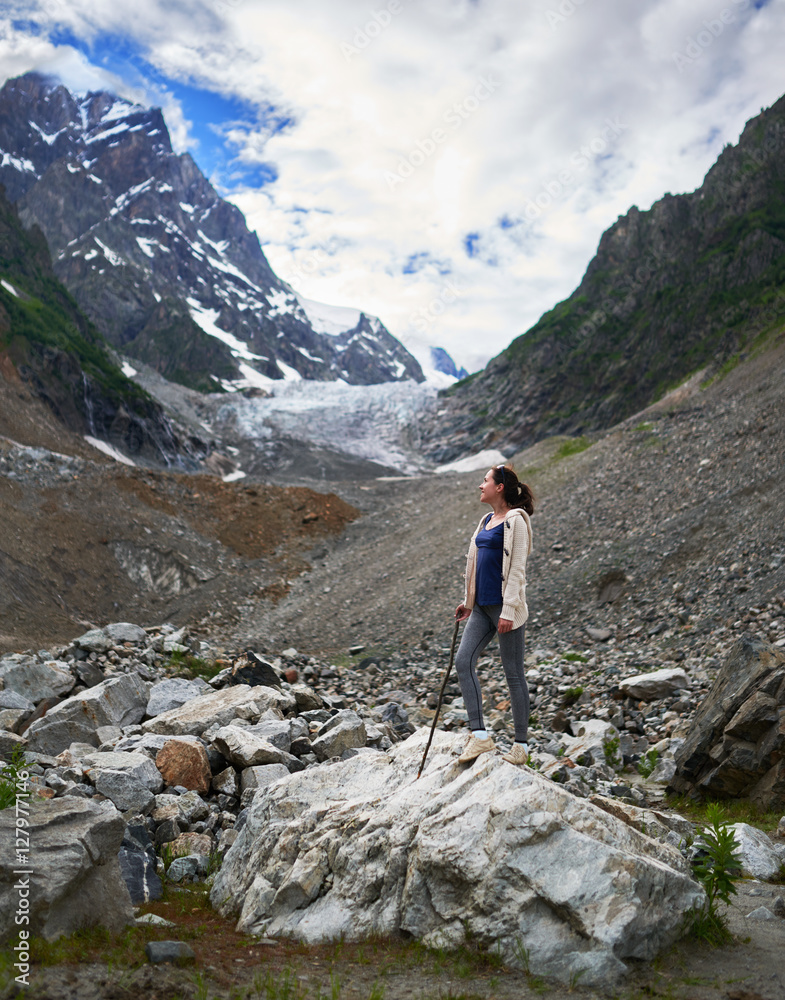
(176, 952)
(761, 913)
(165, 696)
(226, 839)
(275, 731)
(664, 771)
(225, 782)
(218, 709)
(307, 699)
(76, 880)
(137, 861)
(10, 740)
(655, 685)
(244, 749)
(27, 676)
(169, 830)
(12, 718)
(125, 790)
(120, 632)
(119, 701)
(94, 641)
(108, 734)
(262, 776)
(589, 744)
(13, 699)
(153, 920)
(89, 674)
(138, 765)
(192, 807)
(758, 856)
(344, 730)
(734, 746)
(183, 868)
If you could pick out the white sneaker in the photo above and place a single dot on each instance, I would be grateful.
(518, 754)
(474, 748)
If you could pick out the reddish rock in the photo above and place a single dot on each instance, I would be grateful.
(186, 764)
(192, 843)
(291, 675)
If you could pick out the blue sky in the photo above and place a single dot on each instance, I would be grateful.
(447, 165)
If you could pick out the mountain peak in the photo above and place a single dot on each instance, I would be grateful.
(166, 269)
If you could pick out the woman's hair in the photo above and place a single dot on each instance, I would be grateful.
(516, 493)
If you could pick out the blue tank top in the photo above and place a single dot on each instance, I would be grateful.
(490, 551)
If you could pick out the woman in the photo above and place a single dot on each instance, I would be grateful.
(495, 602)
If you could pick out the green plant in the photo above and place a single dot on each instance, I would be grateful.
(574, 446)
(9, 777)
(575, 657)
(610, 749)
(195, 665)
(648, 762)
(717, 870)
(377, 991)
(522, 956)
(571, 695)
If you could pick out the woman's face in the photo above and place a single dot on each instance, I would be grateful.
(489, 488)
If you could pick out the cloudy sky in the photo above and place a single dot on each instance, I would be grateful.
(448, 165)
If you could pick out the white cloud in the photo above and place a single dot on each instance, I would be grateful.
(370, 91)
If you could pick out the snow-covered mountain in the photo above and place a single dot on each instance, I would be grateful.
(166, 269)
(444, 363)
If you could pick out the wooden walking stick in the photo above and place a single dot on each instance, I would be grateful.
(441, 695)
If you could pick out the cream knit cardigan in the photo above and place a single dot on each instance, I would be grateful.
(517, 546)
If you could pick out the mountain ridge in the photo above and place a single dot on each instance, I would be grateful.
(154, 256)
(689, 283)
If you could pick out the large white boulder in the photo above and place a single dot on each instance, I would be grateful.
(488, 850)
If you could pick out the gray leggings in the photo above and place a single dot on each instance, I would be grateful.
(477, 633)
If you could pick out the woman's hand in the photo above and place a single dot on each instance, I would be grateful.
(462, 613)
(505, 625)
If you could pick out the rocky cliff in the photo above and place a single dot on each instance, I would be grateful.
(691, 282)
(165, 268)
(46, 342)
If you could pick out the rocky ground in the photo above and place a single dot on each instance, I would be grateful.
(657, 545)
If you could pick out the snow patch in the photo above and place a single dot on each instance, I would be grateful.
(205, 318)
(282, 303)
(121, 109)
(234, 476)
(17, 162)
(115, 130)
(109, 450)
(186, 207)
(472, 463)
(48, 138)
(146, 245)
(114, 258)
(290, 374)
(331, 320)
(127, 370)
(9, 287)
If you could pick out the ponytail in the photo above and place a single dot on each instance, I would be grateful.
(516, 493)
